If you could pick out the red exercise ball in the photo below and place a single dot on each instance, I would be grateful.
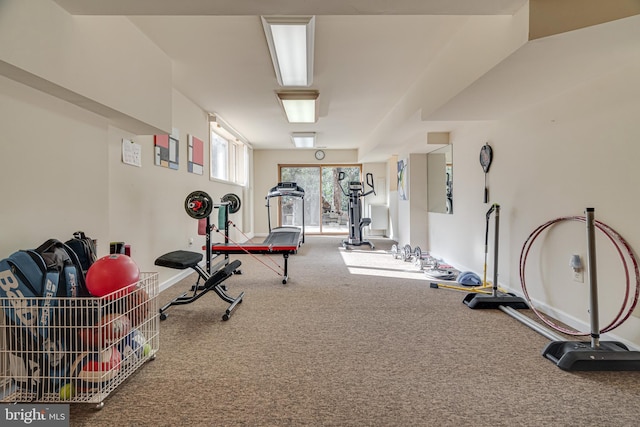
(110, 274)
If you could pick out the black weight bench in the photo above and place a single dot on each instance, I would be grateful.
(182, 260)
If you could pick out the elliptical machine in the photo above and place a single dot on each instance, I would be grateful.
(356, 221)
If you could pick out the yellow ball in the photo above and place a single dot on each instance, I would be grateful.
(67, 391)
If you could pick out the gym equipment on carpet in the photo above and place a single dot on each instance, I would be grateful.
(496, 298)
(283, 240)
(356, 221)
(463, 287)
(432, 268)
(405, 253)
(469, 278)
(286, 189)
(595, 355)
(423, 259)
(470, 282)
(441, 272)
(182, 260)
(199, 205)
(396, 252)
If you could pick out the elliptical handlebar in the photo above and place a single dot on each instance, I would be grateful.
(370, 184)
(341, 177)
(369, 181)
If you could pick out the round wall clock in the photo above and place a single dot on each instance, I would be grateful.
(319, 155)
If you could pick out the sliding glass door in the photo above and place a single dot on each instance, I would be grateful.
(290, 207)
(325, 204)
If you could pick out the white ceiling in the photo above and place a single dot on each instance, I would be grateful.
(291, 7)
(368, 55)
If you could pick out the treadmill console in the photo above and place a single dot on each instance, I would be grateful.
(286, 185)
(286, 189)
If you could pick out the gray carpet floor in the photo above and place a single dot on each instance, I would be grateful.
(355, 338)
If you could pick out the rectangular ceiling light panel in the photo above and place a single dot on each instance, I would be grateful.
(304, 139)
(290, 41)
(300, 110)
(300, 105)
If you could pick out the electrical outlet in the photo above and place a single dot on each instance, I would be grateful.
(578, 276)
(190, 241)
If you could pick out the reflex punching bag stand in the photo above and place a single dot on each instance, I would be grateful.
(356, 221)
(497, 299)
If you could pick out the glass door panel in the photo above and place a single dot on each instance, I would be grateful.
(291, 207)
(335, 204)
(326, 207)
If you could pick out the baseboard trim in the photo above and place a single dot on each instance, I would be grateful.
(175, 279)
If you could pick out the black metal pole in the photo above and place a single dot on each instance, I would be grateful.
(593, 281)
(495, 250)
(207, 242)
(268, 213)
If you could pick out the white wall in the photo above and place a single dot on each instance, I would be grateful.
(475, 48)
(379, 173)
(64, 162)
(412, 213)
(418, 200)
(577, 150)
(392, 197)
(53, 168)
(437, 179)
(103, 63)
(63, 173)
(151, 199)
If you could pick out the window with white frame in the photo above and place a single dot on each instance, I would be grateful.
(239, 159)
(229, 157)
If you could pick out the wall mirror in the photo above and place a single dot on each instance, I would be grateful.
(440, 180)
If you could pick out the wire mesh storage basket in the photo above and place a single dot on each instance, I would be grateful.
(87, 347)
